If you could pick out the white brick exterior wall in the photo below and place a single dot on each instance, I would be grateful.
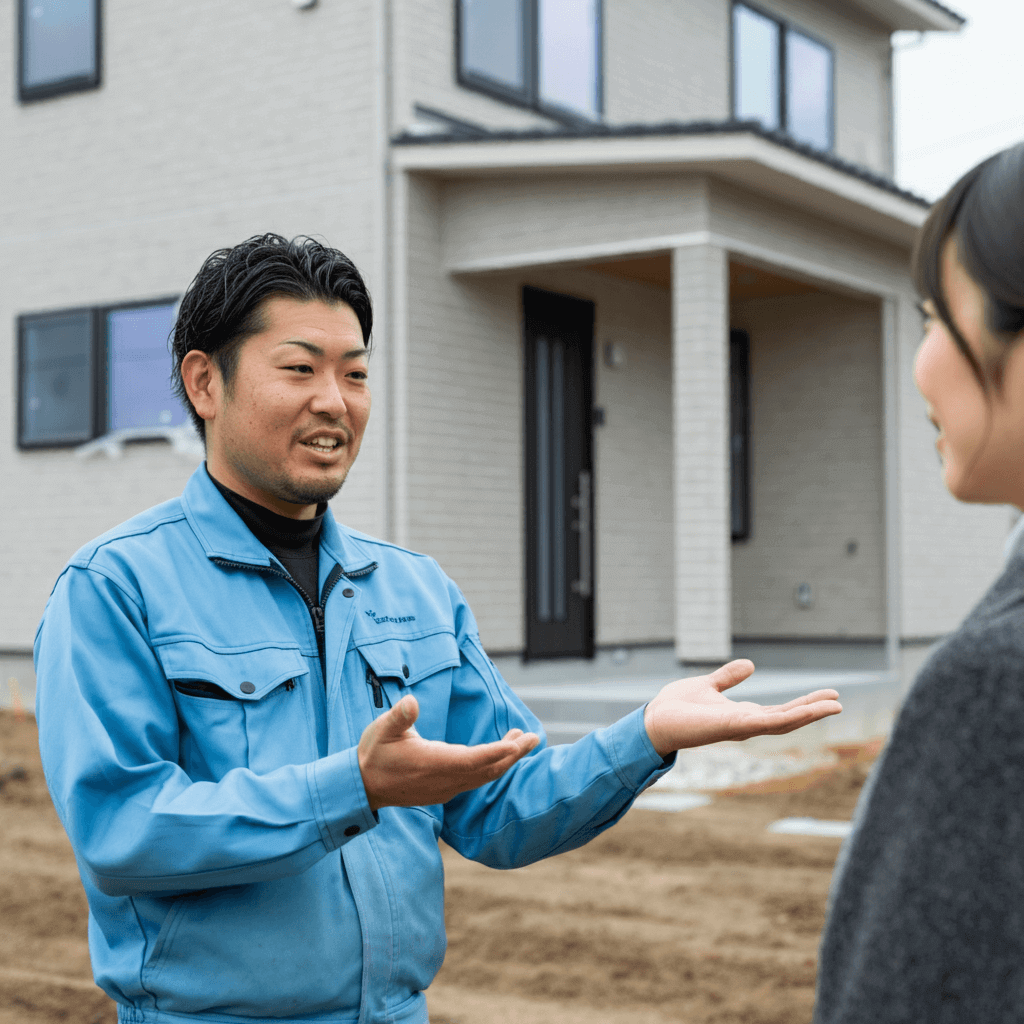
(491, 217)
(214, 122)
(218, 121)
(464, 397)
(663, 60)
(816, 469)
(465, 410)
(951, 552)
(633, 462)
(666, 60)
(700, 381)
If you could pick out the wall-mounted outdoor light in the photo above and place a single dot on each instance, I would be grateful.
(803, 596)
(303, 5)
(614, 355)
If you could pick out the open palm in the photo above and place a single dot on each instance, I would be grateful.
(692, 712)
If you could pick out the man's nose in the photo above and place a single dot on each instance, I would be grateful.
(328, 399)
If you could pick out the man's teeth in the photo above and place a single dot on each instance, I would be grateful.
(323, 442)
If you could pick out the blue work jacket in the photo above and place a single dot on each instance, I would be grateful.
(206, 772)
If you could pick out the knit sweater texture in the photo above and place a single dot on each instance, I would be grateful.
(926, 912)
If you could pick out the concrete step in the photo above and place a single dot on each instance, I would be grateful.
(870, 700)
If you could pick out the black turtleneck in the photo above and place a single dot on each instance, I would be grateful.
(295, 543)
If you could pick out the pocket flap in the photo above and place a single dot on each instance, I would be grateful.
(409, 661)
(244, 675)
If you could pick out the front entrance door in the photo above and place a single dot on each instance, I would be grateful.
(559, 476)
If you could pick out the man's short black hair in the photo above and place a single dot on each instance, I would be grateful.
(224, 303)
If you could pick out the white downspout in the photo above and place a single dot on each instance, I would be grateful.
(891, 475)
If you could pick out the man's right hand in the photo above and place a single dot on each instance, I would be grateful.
(401, 769)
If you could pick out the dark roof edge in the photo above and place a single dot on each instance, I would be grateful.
(946, 10)
(668, 128)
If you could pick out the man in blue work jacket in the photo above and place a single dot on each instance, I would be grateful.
(256, 723)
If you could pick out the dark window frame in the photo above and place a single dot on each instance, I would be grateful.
(100, 362)
(784, 27)
(740, 479)
(529, 97)
(79, 83)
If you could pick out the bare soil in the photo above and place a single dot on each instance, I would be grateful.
(701, 917)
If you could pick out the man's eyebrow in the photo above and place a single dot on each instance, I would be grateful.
(316, 350)
(312, 349)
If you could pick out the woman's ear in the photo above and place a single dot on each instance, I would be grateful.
(203, 383)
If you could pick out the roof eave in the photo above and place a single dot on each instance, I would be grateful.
(913, 15)
(743, 158)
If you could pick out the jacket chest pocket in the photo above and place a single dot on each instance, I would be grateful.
(243, 709)
(422, 667)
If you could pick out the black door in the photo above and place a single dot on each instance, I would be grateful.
(559, 476)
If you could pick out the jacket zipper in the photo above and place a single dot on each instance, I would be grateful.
(378, 689)
(316, 611)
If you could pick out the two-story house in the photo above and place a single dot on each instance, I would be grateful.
(643, 367)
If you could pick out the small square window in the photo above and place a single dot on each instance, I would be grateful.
(543, 54)
(493, 42)
(568, 46)
(808, 90)
(781, 77)
(59, 47)
(756, 46)
(84, 373)
(56, 386)
(139, 368)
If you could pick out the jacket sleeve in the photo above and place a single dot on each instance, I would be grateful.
(555, 799)
(108, 734)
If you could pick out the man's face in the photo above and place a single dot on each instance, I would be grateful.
(287, 431)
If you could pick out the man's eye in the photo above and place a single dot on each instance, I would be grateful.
(358, 374)
(302, 368)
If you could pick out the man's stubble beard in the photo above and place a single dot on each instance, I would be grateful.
(282, 487)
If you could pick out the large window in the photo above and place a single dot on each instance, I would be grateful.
(86, 372)
(544, 54)
(781, 77)
(59, 47)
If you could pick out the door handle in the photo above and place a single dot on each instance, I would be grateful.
(581, 502)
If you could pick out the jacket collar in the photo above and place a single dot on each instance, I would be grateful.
(223, 535)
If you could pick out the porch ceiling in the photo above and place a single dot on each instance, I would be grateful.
(743, 156)
(745, 282)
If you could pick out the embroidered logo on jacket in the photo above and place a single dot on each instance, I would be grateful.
(381, 619)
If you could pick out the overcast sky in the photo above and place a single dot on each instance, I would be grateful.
(959, 96)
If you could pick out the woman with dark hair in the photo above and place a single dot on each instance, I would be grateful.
(926, 916)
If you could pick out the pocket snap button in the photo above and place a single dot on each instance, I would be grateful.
(405, 671)
(352, 830)
(247, 687)
(348, 592)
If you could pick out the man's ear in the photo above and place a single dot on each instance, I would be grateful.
(203, 383)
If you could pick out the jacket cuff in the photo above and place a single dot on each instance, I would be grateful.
(339, 798)
(637, 764)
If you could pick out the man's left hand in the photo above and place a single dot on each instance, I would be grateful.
(692, 712)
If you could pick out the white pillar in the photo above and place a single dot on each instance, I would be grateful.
(700, 428)
(398, 364)
(891, 468)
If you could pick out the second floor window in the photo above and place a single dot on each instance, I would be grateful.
(86, 372)
(59, 47)
(544, 54)
(781, 77)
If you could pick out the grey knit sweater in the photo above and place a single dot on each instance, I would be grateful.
(926, 914)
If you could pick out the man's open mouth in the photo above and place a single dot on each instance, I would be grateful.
(322, 444)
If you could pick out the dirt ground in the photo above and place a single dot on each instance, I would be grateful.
(700, 916)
